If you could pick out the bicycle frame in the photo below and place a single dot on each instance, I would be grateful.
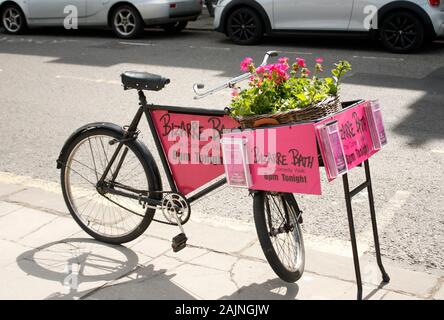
(150, 112)
(173, 176)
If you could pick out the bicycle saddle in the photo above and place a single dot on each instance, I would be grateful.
(143, 81)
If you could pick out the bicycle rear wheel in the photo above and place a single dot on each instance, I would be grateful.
(276, 216)
(107, 217)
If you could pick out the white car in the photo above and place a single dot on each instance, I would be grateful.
(127, 18)
(402, 26)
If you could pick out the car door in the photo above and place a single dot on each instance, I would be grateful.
(53, 11)
(312, 14)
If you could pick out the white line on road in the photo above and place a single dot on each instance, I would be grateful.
(146, 44)
(296, 52)
(438, 151)
(88, 79)
(378, 58)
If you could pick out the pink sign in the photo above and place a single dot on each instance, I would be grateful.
(282, 159)
(355, 134)
(191, 144)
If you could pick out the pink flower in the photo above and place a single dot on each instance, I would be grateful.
(283, 60)
(301, 62)
(260, 70)
(319, 60)
(234, 92)
(245, 64)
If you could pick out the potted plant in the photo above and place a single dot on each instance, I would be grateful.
(283, 93)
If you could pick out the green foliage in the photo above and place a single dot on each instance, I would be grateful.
(273, 88)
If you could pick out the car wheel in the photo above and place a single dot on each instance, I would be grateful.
(126, 22)
(402, 32)
(244, 26)
(175, 27)
(13, 20)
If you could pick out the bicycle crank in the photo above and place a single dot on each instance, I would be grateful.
(176, 210)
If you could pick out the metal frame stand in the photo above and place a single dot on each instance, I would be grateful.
(349, 194)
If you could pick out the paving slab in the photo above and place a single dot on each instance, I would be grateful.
(203, 235)
(9, 252)
(56, 230)
(38, 198)
(7, 189)
(151, 281)
(66, 270)
(7, 208)
(23, 222)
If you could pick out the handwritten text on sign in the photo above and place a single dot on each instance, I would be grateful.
(283, 159)
(355, 134)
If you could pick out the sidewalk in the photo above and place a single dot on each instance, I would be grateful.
(44, 255)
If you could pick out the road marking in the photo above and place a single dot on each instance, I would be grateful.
(138, 44)
(433, 151)
(88, 79)
(296, 52)
(216, 48)
(378, 58)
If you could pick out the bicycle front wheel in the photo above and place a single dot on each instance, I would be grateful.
(107, 216)
(276, 216)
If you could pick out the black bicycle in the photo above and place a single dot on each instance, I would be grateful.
(113, 188)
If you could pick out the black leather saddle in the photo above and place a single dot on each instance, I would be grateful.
(143, 81)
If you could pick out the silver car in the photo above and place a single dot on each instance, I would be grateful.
(401, 26)
(126, 18)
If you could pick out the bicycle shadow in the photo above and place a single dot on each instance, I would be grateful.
(83, 266)
(87, 269)
(272, 289)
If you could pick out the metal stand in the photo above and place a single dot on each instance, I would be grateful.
(349, 194)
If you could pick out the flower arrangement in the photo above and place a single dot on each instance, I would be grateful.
(283, 87)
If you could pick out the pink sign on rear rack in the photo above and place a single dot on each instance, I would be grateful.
(356, 132)
(282, 159)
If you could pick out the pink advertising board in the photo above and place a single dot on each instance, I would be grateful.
(355, 134)
(191, 144)
(282, 159)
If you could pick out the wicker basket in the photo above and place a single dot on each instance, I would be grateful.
(319, 110)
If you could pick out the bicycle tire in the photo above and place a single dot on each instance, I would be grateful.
(264, 235)
(140, 154)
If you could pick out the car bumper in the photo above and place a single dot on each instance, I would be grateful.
(217, 19)
(437, 19)
(180, 9)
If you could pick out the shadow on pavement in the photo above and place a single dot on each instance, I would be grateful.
(88, 269)
(422, 125)
(424, 122)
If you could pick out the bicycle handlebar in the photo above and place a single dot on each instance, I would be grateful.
(198, 87)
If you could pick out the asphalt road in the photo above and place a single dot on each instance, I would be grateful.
(53, 81)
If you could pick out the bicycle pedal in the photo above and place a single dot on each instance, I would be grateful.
(179, 242)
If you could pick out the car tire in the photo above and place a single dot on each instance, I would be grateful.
(244, 26)
(126, 22)
(175, 27)
(402, 32)
(13, 20)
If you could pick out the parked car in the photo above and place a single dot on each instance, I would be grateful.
(127, 18)
(402, 26)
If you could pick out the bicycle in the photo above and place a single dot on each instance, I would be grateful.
(112, 186)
